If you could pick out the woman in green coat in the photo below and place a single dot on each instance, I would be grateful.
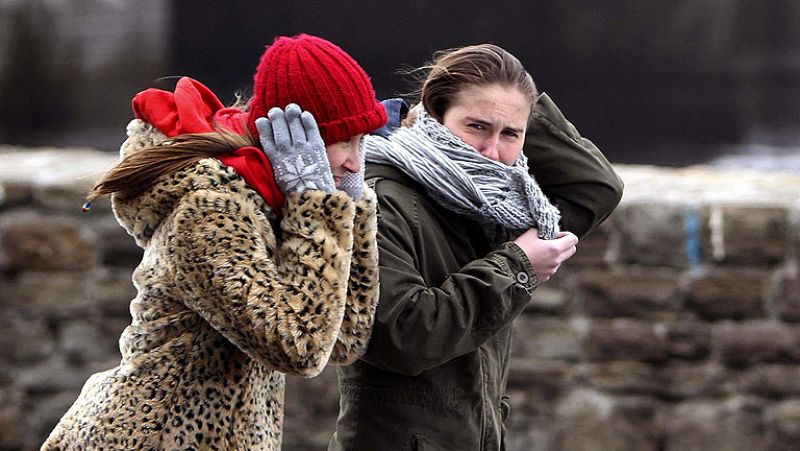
(467, 230)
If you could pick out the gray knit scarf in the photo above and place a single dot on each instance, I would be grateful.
(464, 181)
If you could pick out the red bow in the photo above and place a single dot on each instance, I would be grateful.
(193, 108)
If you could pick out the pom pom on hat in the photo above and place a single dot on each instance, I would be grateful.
(321, 78)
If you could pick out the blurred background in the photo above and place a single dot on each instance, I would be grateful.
(671, 83)
(675, 326)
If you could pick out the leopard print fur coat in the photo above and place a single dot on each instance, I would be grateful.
(224, 309)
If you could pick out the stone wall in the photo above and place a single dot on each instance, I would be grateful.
(675, 328)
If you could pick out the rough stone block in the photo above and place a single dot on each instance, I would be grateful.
(51, 295)
(61, 198)
(530, 403)
(545, 338)
(15, 194)
(787, 297)
(6, 370)
(676, 380)
(59, 178)
(770, 381)
(23, 340)
(43, 414)
(549, 300)
(796, 243)
(526, 434)
(311, 407)
(747, 343)
(529, 421)
(54, 375)
(624, 340)
(82, 341)
(595, 249)
(546, 376)
(636, 294)
(116, 247)
(745, 235)
(39, 242)
(683, 380)
(4, 263)
(688, 340)
(652, 234)
(563, 280)
(112, 289)
(783, 426)
(735, 424)
(12, 436)
(112, 328)
(732, 294)
(317, 394)
(590, 421)
(633, 378)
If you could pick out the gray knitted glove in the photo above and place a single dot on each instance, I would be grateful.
(292, 142)
(353, 182)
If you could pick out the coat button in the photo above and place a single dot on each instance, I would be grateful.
(522, 277)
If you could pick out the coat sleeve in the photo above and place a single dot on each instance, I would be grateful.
(417, 326)
(285, 313)
(570, 169)
(362, 288)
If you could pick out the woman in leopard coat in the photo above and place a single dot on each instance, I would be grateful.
(246, 276)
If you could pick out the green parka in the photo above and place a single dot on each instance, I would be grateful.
(434, 375)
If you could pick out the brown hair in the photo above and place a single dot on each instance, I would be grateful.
(137, 171)
(475, 65)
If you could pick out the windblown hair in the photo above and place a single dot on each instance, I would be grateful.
(139, 170)
(475, 65)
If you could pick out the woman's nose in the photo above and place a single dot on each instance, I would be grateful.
(353, 162)
(489, 148)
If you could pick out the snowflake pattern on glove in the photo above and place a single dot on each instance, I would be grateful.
(297, 175)
(292, 143)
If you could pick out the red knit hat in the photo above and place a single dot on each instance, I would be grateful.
(321, 78)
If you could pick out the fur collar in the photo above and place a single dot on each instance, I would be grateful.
(142, 214)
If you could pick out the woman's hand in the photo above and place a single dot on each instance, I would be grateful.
(546, 256)
(292, 142)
